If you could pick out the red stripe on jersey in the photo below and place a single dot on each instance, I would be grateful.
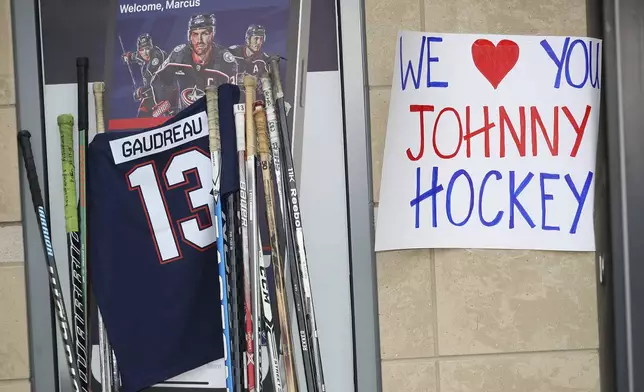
(122, 124)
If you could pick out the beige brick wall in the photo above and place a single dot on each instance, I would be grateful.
(473, 320)
(14, 355)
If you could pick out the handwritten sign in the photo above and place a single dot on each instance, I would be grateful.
(491, 143)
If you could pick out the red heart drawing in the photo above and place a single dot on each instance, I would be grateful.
(494, 62)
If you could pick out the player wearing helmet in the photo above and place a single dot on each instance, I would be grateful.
(190, 68)
(149, 58)
(250, 57)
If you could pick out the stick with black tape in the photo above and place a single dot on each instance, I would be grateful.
(284, 233)
(296, 231)
(273, 211)
(54, 280)
(82, 65)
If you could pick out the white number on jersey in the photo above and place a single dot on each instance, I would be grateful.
(145, 179)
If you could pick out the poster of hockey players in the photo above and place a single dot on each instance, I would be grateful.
(166, 53)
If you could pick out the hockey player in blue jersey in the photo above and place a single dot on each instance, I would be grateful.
(150, 58)
(190, 68)
(250, 57)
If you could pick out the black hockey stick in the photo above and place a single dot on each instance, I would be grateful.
(281, 293)
(82, 63)
(65, 127)
(284, 231)
(297, 232)
(43, 219)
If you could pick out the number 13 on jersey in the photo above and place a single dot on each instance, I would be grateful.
(152, 185)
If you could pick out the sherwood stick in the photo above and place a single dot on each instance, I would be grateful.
(274, 230)
(66, 129)
(250, 83)
(290, 259)
(296, 227)
(82, 63)
(264, 157)
(212, 102)
(233, 257)
(240, 129)
(109, 368)
(43, 218)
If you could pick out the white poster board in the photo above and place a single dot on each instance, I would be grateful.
(491, 143)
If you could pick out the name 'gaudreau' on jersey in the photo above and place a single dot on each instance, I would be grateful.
(152, 243)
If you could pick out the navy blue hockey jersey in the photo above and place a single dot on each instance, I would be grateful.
(152, 246)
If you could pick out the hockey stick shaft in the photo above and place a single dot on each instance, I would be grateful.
(276, 255)
(82, 64)
(66, 129)
(43, 219)
(263, 150)
(212, 102)
(103, 346)
(109, 368)
(240, 129)
(274, 230)
(127, 63)
(250, 83)
(99, 90)
(297, 232)
(289, 255)
(233, 257)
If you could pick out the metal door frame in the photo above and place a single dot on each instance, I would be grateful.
(30, 116)
(357, 130)
(623, 96)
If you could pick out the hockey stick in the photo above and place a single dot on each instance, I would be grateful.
(43, 218)
(82, 63)
(232, 257)
(243, 212)
(109, 370)
(273, 352)
(297, 232)
(66, 128)
(274, 231)
(231, 223)
(128, 64)
(250, 83)
(289, 256)
(212, 102)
